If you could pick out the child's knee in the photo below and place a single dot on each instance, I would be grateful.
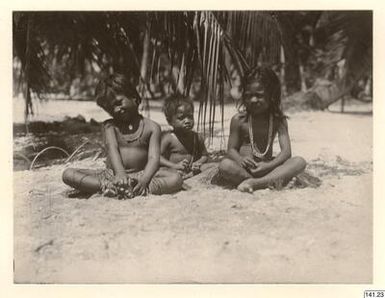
(67, 175)
(301, 163)
(226, 165)
(176, 180)
(170, 182)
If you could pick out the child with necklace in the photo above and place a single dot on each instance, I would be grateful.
(250, 164)
(133, 148)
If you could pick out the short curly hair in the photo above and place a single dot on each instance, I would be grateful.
(171, 104)
(108, 88)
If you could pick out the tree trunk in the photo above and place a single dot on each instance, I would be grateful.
(144, 89)
(282, 72)
(146, 53)
(302, 77)
(291, 71)
(342, 104)
(292, 75)
(314, 101)
(180, 84)
(27, 68)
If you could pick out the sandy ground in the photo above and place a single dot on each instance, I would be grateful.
(209, 234)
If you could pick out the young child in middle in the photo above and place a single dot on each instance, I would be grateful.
(250, 164)
(182, 149)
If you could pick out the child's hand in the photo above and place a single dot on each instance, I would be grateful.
(196, 167)
(261, 169)
(120, 179)
(182, 165)
(140, 188)
(248, 163)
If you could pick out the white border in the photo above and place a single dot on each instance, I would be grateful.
(8, 289)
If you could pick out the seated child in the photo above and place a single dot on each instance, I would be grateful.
(182, 149)
(249, 164)
(133, 148)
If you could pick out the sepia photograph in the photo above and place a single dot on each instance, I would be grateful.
(192, 146)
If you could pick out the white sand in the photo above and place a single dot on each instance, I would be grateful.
(209, 234)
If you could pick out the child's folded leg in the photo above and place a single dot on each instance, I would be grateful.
(277, 178)
(165, 182)
(183, 174)
(84, 180)
(204, 167)
(232, 172)
(91, 181)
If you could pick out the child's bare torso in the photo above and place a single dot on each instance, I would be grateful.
(179, 151)
(133, 147)
(260, 133)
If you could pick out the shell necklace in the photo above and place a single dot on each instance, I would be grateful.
(137, 134)
(254, 146)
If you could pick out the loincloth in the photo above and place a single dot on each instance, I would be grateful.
(107, 187)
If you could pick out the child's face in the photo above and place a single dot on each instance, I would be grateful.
(183, 118)
(254, 98)
(122, 107)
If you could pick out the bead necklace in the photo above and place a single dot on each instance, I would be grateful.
(254, 147)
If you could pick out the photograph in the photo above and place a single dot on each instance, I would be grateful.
(192, 146)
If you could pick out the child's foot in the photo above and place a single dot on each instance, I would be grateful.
(77, 194)
(305, 179)
(126, 192)
(292, 183)
(110, 192)
(246, 186)
(121, 192)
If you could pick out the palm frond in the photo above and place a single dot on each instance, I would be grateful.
(210, 40)
(196, 44)
(28, 49)
(254, 33)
